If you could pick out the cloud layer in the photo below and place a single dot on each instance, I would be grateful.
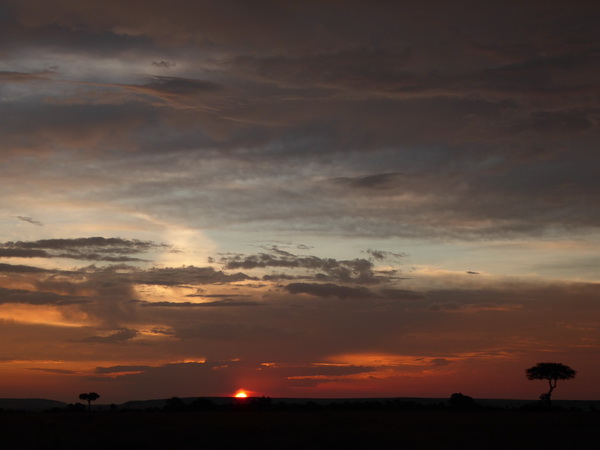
(161, 161)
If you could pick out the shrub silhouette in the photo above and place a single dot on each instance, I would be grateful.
(552, 372)
(175, 404)
(77, 407)
(461, 401)
(202, 404)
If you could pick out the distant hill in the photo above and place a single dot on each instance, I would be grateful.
(40, 404)
(490, 402)
(160, 403)
(29, 404)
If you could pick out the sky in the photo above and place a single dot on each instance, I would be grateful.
(298, 198)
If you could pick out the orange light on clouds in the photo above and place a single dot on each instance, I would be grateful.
(44, 315)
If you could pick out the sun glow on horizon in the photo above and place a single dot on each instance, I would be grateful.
(241, 394)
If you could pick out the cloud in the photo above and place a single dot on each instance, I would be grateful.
(179, 86)
(121, 369)
(325, 290)
(347, 125)
(21, 77)
(217, 303)
(90, 249)
(329, 290)
(364, 103)
(21, 269)
(401, 294)
(55, 371)
(357, 270)
(174, 276)
(38, 298)
(22, 253)
(185, 379)
(30, 220)
(118, 337)
(165, 64)
(381, 255)
(240, 332)
(223, 376)
(376, 181)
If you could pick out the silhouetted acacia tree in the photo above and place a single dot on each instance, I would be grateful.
(89, 397)
(552, 372)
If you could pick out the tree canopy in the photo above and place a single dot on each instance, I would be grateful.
(89, 397)
(552, 372)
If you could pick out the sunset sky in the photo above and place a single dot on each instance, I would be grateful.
(335, 198)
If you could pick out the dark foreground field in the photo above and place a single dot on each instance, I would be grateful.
(302, 430)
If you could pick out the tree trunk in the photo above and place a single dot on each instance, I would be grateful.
(548, 395)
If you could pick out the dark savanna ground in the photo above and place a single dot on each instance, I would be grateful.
(427, 429)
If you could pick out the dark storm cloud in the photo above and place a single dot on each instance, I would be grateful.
(90, 249)
(38, 298)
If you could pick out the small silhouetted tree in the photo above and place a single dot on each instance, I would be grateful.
(552, 372)
(89, 397)
(461, 401)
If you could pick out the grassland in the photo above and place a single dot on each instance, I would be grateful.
(301, 430)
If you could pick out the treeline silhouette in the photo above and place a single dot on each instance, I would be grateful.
(456, 402)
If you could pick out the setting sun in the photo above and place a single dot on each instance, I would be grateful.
(241, 394)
